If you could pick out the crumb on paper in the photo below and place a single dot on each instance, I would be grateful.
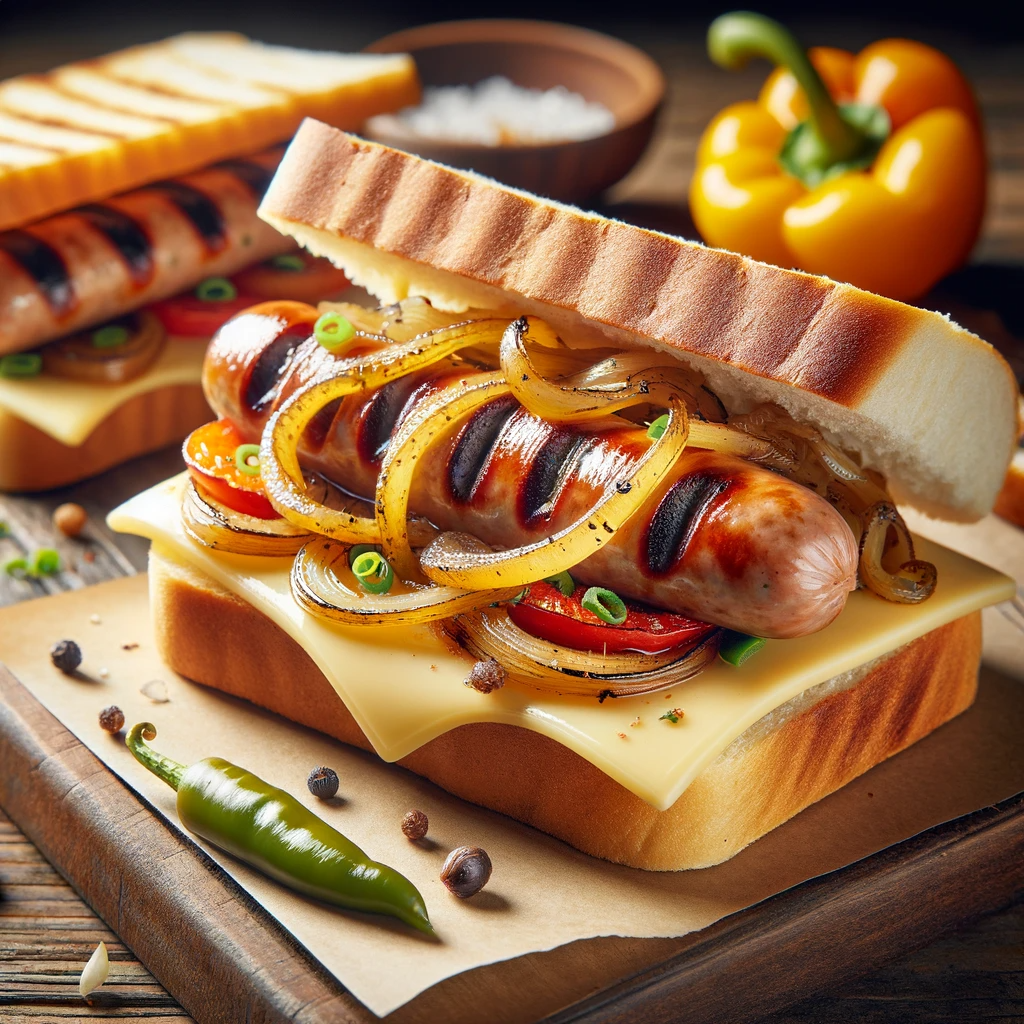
(96, 971)
(89, 556)
(104, 672)
(673, 715)
(95, 619)
(155, 690)
(622, 736)
(433, 668)
(668, 696)
(129, 645)
(635, 722)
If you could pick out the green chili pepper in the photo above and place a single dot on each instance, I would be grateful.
(657, 427)
(736, 648)
(374, 572)
(564, 582)
(216, 289)
(606, 605)
(21, 364)
(269, 829)
(333, 330)
(245, 452)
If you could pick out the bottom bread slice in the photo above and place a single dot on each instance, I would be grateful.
(796, 755)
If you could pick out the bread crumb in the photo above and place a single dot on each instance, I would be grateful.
(95, 619)
(129, 645)
(623, 736)
(635, 722)
(433, 668)
(104, 672)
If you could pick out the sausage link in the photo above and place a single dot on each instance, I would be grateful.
(99, 261)
(720, 539)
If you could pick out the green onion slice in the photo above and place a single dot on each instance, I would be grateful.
(21, 364)
(563, 581)
(606, 605)
(216, 289)
(360, 549)
(374, 573)
(45, 562)
(111, 336)
(333, 330)
(736, 648)
(289, 261)
(17, 567)
(657, 427)
(245, 452)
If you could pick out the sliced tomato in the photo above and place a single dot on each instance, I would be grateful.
(188, 316)
(210, 455)
(545, 612)
(296, 275)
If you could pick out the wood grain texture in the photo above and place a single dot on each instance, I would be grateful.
(974, 976)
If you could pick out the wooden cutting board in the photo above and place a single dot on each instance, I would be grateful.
(225, 959)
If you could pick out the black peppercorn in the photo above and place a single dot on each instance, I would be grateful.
(323, 782)
(66, 655)
(466, 871)
(112, 719)
(414, 825)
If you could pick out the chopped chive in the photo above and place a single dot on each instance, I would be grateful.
(21, 364)
(736, 648)
(563, 581)
(111, 336)
(606, 605)
(216, 289)
(657, 427)
(289, 261)
(245, 452)
(333, 330)
(374, 573)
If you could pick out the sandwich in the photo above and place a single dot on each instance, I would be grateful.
(96, 364)
(587, 524)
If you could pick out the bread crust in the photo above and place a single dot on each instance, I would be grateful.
(214, 637)
(31, 460)
(884, 378)
(1010, 503)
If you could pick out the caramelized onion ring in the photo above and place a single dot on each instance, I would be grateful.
(78, 358)
(450, 560)
(279, 457)
(914, 581)
(320, 589)
(490, 633)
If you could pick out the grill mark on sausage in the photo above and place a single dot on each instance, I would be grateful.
(380, 415)
(254, 176)
(201, 211)
(547, 476)
(126, 235)
(476, 441)
(677, 517)
(268, 371)
(45, 266)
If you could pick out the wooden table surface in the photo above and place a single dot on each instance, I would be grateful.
(47, 932)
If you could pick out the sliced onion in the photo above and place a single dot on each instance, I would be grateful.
(79, 358)
(318, 587)
(609, 386)
(279, 457)
(449, 560)
(914, 580)
(216, 526)
(432, 420)
(404, 320)
(490, 633)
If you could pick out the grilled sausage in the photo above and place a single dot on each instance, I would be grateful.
(99, 261)
(720, 540)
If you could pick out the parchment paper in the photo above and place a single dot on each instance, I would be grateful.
(542, 893)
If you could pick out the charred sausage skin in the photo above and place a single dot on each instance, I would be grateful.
(720, 539)
(97, 262)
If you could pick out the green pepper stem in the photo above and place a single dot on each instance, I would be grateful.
(735, 38)
(162, 767)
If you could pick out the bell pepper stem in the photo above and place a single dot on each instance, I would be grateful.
(162, 767)
(736, 38)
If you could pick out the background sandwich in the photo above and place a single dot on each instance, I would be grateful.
(116, 387)
(775, 362)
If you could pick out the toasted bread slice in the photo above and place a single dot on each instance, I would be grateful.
(94, 128)
(921, 400)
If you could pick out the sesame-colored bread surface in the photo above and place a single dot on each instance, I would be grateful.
(918, 398)
(819, 742)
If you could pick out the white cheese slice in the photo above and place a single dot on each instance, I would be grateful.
(70, 410)
(404, 688)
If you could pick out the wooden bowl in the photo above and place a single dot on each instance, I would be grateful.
(537, 55)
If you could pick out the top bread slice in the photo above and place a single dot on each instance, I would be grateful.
(90, 129)
(915, 396)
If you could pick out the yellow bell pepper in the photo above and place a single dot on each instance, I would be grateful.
(867, 168)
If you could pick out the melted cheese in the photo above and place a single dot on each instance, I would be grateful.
(404, 688)
(70, 410)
